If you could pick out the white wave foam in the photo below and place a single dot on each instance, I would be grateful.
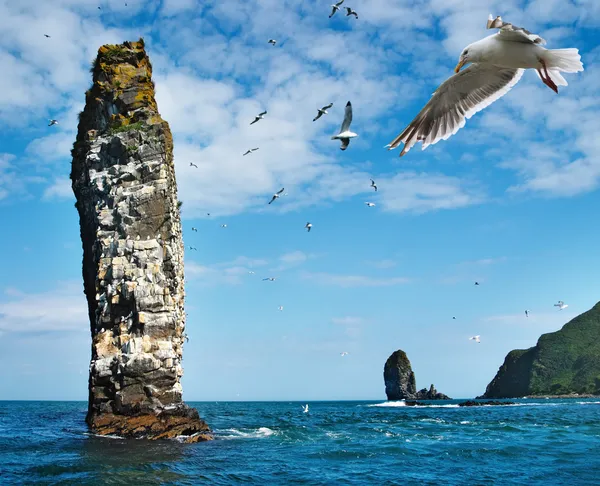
(259, 433)
(389, 404)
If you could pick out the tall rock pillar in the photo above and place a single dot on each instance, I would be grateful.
(123, 178)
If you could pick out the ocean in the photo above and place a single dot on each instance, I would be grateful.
(268, 443)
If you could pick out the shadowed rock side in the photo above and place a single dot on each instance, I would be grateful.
(123, 178)
(400, 382)
(564, 362)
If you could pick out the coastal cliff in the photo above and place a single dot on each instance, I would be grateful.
(400, 381)
(123, 177)
(564, 362)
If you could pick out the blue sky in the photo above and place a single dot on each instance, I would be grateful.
(509, 201)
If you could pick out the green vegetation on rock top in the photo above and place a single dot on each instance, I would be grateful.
(562, 362)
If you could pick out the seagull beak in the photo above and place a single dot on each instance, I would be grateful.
(460, 64)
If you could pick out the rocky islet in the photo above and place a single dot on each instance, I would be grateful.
(123, 177)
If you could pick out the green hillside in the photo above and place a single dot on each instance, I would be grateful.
(562, 362)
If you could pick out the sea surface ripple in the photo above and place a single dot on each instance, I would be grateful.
(266, 443)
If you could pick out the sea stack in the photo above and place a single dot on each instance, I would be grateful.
(123, 177)
(400, 381)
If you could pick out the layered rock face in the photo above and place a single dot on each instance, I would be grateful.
(123, 178)
(564, 362)
(400, 381)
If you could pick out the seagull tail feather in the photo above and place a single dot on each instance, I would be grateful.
(565, 60)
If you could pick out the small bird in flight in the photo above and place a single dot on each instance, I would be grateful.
(272, 42)
(52, 122)
(453, 317)
(260, 116)
(280, 308)
(223, 226)
(305, 408)
(194, 229)
(277, 195)
(308, 227)
(249, 151)
(193, 248)
(476, 283)
(270, 279)
(370, 204)
(373, 185)
(475, 338)
(250, 272)
(351, 12)
(323, 111)
(526, 313)
(345, 134)
(193, 165)
(344, 353)
(561, 305)
(335, 7)
(46, 35)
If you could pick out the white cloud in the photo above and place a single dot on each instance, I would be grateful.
(60, 189)
(353, 280)
(63, 309)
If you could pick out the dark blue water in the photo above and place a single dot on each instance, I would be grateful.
(534, 442)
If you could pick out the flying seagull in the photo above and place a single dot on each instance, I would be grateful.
(373, 185)
(193, 248)
(280, 308)
(272, 41)
(345, 134)
(308, 227)
(249, 151)
(46, 35)
(498, 62)
(193, 165)
(223, 226)
(194, 229)
(351, 12)
(323, 111)
(526, 313)
(344, 353)
(260, 116)
(475, 338)
(277, 195)
(270, 279)
(561, 305)
(370, 204)
(52, 122)
(453, 317)
(250, 272)
(476, 283)
(335, 7)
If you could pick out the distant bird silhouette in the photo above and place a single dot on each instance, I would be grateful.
(260, 116)
(52, 122)
(373, 185)
(272, 42)
(308, 227)
(270, 279)
(335, 7)
(249, 151)
(322, 111)
(476, 283)
(475, 338)
(277, 195)
(194, 229)
(526, 313)
(193, 165)
(351, 12)
(46, 35)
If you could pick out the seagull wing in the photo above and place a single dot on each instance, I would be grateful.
(319, 115)
(333, 10)
(455, 101)
(327, 107)
(282, 189)
(273, 199)
(512, 33)
(339, 3)
(255, 120)
(255, 149)
(345, 143)
(262, 114)
(347, 118)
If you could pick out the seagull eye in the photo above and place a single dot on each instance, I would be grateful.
(465, 52)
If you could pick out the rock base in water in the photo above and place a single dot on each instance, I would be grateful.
(473, 403)
(181, 422)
